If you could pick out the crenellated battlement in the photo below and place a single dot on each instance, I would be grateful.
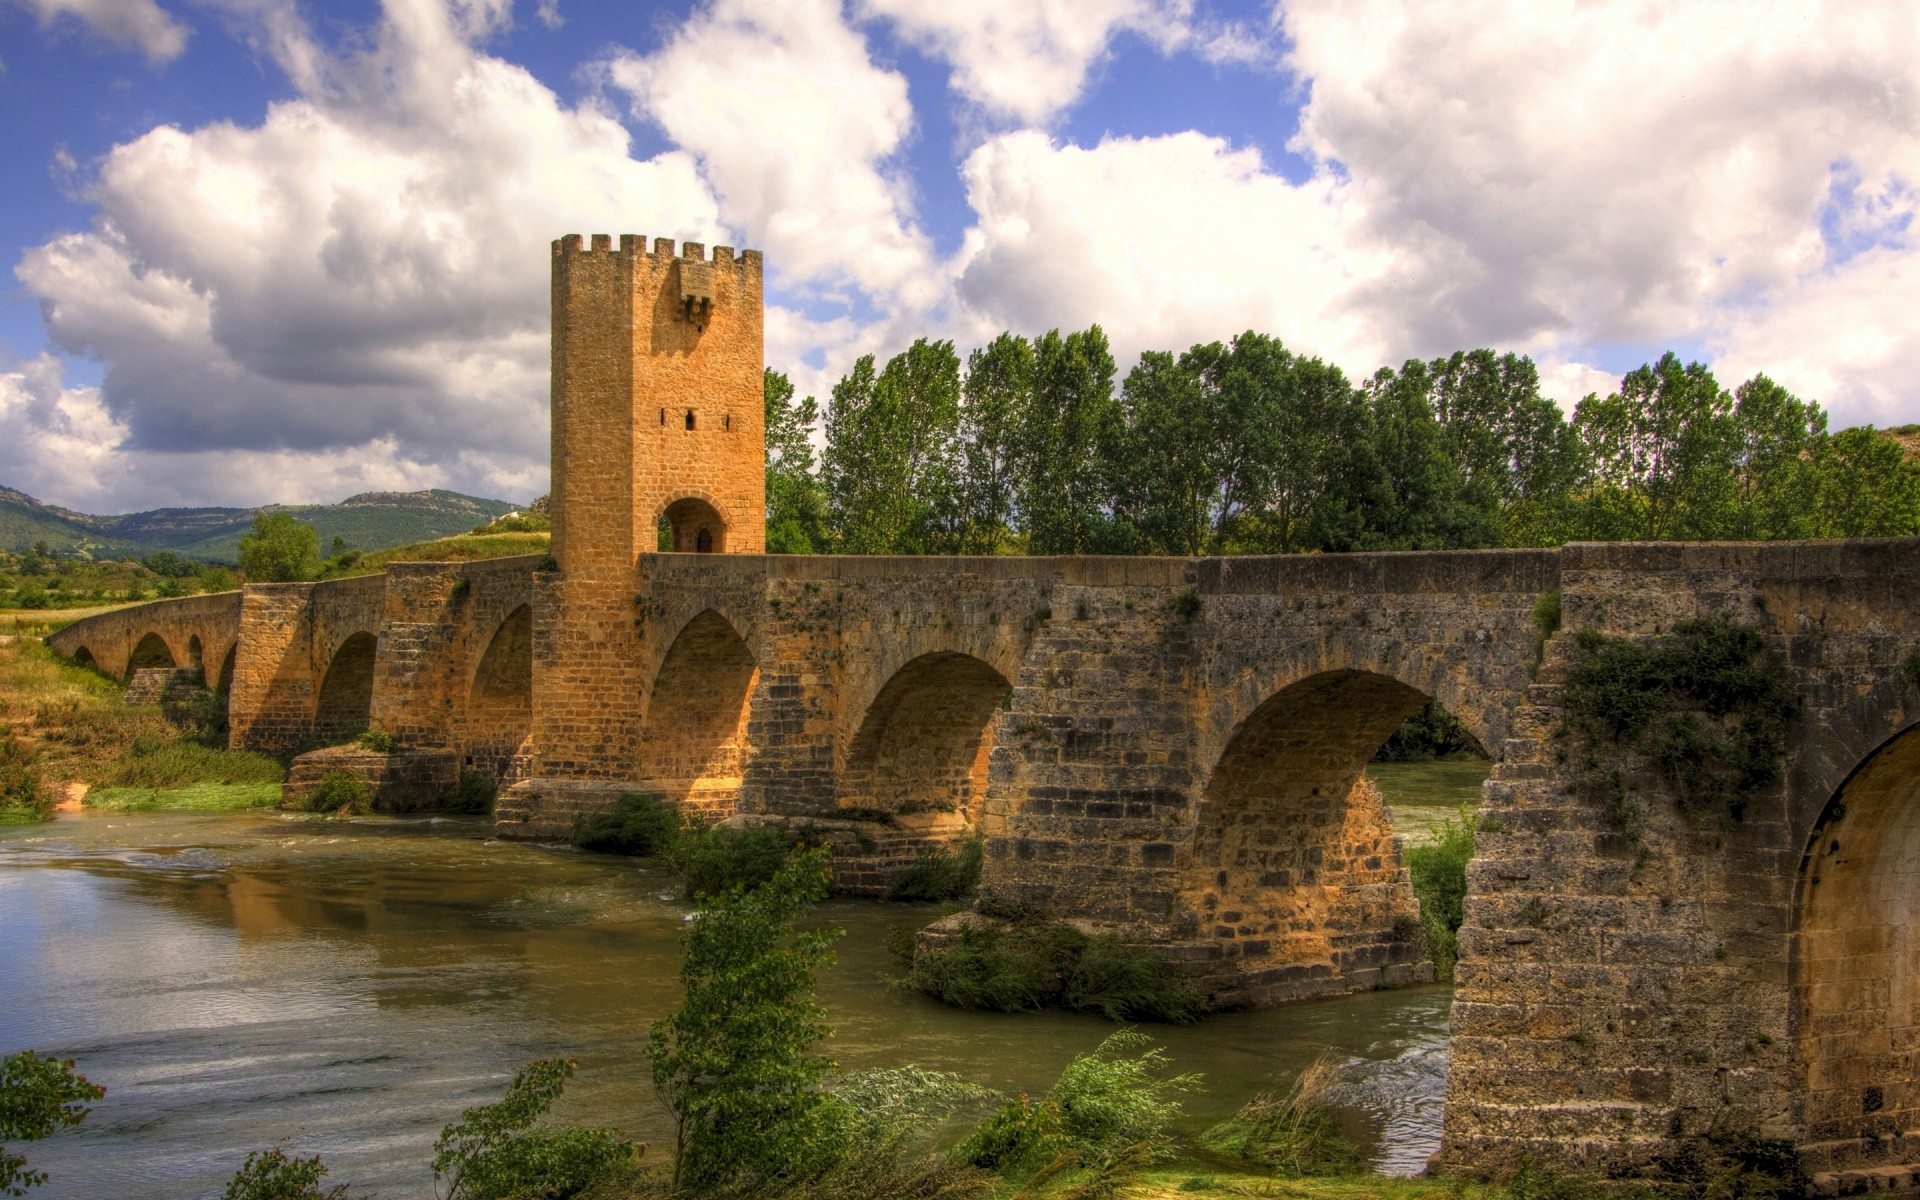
(634, 246)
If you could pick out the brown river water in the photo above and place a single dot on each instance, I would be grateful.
(236, 981)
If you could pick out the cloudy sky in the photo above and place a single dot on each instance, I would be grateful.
(275, 251)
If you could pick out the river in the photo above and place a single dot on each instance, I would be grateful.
(348, 987)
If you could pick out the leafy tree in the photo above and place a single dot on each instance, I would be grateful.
(1663, 455)
(1318, 475)
(1424, 499)
(280, 549)
(494, 1151)
(1778, 436)
(1062, 480)
(732, 1062)
(38, 1098)
(796, 505)
(1865, 486)
(1163, 460)
(994, 408)
(271, 1175)
(889, 439)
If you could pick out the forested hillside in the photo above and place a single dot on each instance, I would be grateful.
(1247, 448)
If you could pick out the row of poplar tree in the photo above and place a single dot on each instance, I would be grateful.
(1247, 448)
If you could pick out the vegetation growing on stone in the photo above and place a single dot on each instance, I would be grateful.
(639, 825)
(1707, 707)
(720, 858)
(474, 793)
(941, 873)
(340, 794)
(1022, 965)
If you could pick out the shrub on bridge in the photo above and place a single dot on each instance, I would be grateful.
(639, 825)
(719, 858)
(341, 794)
(940, 873)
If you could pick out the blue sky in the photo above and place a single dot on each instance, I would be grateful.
(268, 250)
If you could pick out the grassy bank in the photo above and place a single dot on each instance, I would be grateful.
(63, 723)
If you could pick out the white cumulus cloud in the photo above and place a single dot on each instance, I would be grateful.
(140, 24)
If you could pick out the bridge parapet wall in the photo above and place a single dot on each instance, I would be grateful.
(1615, 994)
(109, 640)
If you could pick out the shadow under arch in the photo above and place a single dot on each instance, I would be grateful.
(225, 684)
(150, 651)
(924, 742)
(346, 694)
(1293, 878)
(84, 657)
(690, 525)
(1856, 961)
(693, 745)
(196, 656)
(500, 697)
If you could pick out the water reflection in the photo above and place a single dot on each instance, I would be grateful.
(238, 980)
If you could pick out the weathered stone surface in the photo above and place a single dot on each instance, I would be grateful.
(403, 781)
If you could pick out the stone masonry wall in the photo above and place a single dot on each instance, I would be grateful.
(1612, 996)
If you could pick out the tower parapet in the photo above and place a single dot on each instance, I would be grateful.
(658, 409)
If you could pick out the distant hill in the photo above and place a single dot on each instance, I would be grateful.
(370, 521)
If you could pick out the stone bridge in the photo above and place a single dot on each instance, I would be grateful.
(1170, 748)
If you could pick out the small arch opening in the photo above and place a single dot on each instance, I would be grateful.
(500, 701)
(151, 651)
(690, 526)
(663, 416)
(195, 655)
(726, 422)
(225, 686)
(689, 418)
(346, 695)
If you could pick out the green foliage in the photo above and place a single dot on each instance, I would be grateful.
(640, 825)
(475, 793)
(940, 873)
(1439, 870)
(193, 797)
(1109, 1106)
(377, 740)
(719, 858)
(886, 469)
(24, 799)
(796, 501)
(494, 1152)
(732, 1063)
(271, 1175)
(1294, 1135)
(1024, 965)
(1709, 706)
(341, 794)
(1431, 733)
(280, 549)
(38, 1098)
(1062, 441)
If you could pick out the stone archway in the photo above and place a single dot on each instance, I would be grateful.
(346, 694)
(500, 699)
(692, 526)
(225, 683)
(1856, 958)
(924, 742)
(694, 743)
(150, 651)
(1293, 880)
(196, 655)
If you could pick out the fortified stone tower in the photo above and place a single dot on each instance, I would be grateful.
(657, 402)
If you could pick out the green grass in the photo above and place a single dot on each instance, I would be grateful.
(470, 547)
(199, 797)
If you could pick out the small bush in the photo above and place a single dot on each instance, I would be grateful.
(341, 794)
(24, 799)
(1021, 966)
(1295, 1135)
(641, 826)
(155, 762)
(377, 740)
(271, 1175)
(494, 1151)
(942, 873)
(1439, 871)
(475, 793)
(720, 858)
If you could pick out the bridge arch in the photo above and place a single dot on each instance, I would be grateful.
(224, 684)
(345, 704)
(693, 525)
(1856, 957)
(1292, 872)
(925, 738)
(150, 651)
(84, 657)
(500, 695)
(196, 654)
(693, 742)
